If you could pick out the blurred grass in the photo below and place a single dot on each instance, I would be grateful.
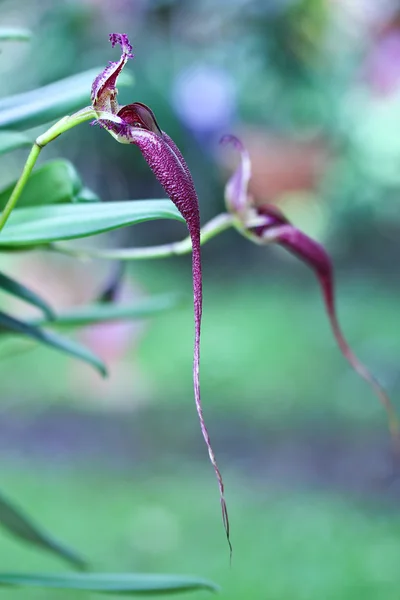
(286, 545)
(265, 349)
(268, 348)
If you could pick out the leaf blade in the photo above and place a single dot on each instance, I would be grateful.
(123, 583)
(10, 324)
(20, 291)
(17, 34)
(108, 312)
(19, 525)
(50, 102)
(12, 140)
(46, 224)
(54, 182)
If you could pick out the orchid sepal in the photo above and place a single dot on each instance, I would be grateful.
(104, 91)
(274, 227)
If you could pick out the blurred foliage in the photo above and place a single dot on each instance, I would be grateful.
(285, 544)
(313, 87)
(313, 68)
(55, 205)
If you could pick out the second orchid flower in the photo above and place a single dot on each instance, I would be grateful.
(266, 224)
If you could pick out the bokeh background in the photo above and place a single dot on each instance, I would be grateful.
(118, 468)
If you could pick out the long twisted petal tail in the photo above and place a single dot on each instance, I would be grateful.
(168, 165)
(315, 256)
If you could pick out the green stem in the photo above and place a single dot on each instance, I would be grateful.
(65, 124)
(51, 134)
(30, 163)
(214, 227)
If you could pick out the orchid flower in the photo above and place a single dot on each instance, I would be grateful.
(265, 224)
(136, 124)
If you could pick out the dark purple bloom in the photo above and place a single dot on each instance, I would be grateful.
(136, 124)
(265, 224)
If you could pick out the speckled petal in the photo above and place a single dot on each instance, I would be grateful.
(104, 91)
(140, 128)
(316, 257)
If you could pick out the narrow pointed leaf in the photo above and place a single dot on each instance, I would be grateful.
(50, 102)
(12, 140)
(114, 583)
(54, 182)
(17, 34)
(20, 291)
(46, 224)
(20, 526)
(11, 325)
(105, 312)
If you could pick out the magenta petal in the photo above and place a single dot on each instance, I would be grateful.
(168, 165)
(315, 256)
(236, 195)
(172, 172)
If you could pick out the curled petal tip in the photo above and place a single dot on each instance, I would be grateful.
(229, 138)
(236, 189)
(104, 90)
(123, 40)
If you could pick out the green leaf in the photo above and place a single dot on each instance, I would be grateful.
(46, 224)
(20, 291)
(12, 140)
(118, 583)
(99, 313)
(14, 34)
(10, 324)
(17, 523)
(51, 102)
(55, 181)
(86, 195)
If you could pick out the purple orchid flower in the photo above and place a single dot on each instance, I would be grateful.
(136, 124)
(265, 224)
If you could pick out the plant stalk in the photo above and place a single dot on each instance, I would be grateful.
(51, 134)
(213, 228)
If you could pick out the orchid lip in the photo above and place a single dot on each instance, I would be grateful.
(139, 115)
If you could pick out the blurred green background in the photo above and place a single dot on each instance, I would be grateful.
(118, 468)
